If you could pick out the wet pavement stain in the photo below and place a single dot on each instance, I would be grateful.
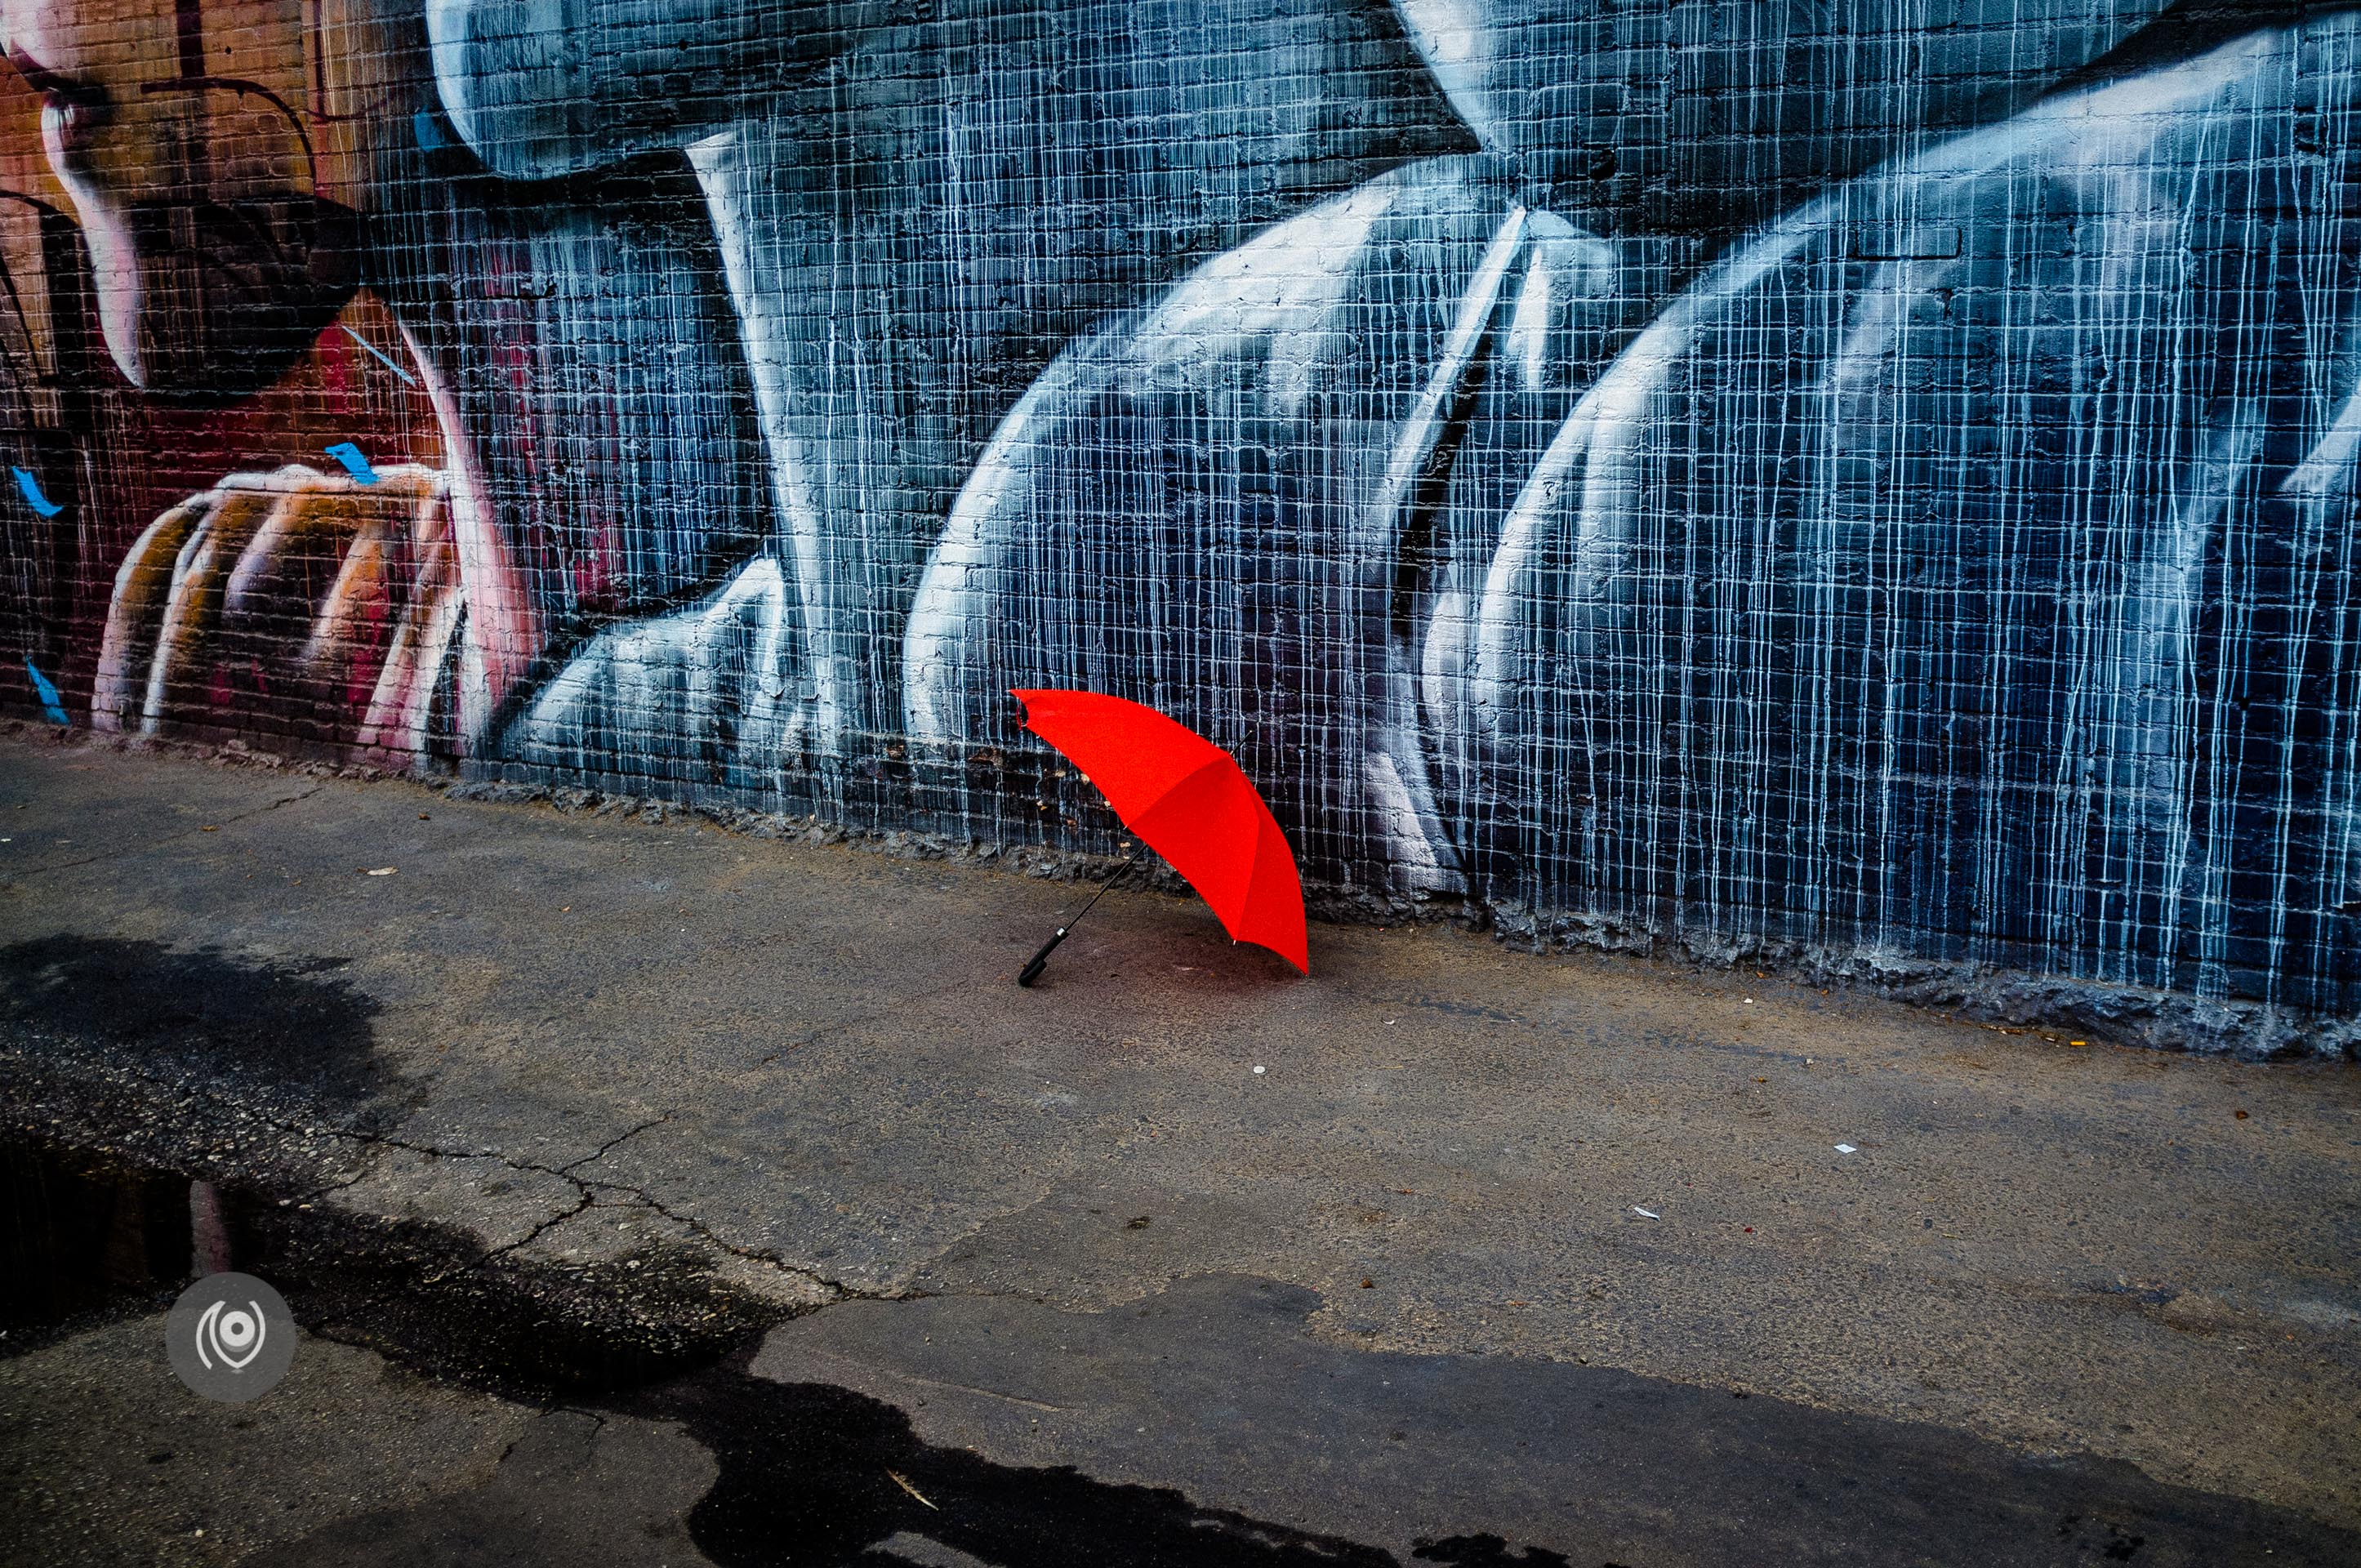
(81, 1239)
(1490, 1551)
(86, 1238)
(289, 1027)
(808, 1473)
(810, 1477)
(817, 1476)
(656, 1433)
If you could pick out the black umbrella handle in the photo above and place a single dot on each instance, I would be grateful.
(1032, 971)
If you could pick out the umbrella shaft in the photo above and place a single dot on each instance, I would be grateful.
(1113, 877)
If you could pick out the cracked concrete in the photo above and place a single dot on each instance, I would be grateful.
(575, 1053)
(508, 1205)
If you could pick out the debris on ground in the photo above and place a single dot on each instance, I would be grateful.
(902, 1482)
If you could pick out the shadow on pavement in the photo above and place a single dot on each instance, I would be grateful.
(808, 1478)
(287, 1028)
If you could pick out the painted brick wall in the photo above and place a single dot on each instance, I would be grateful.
(1866, 482)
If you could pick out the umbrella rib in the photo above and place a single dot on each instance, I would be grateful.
(1264, 830)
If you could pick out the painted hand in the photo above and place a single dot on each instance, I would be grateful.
(292, 604)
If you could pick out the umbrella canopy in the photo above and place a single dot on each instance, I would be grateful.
(1188, 800)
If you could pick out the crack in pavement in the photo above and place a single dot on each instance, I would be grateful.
(839, 1289)
(587, 1188)
(122, 849)
(583, 1200)
(612, 1143)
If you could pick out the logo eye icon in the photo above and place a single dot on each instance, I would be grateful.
(233, 1337)
(230, 1336)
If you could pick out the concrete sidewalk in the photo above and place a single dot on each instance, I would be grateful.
(1177, 1218)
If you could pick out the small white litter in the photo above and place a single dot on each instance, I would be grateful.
(1645, 1213)
(383, 870)
(1847, 1148)
(1257, 1068)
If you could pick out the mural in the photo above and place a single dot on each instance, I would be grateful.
(1845, 474)
(550, 394)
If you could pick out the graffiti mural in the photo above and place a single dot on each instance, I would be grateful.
(542, 386)
(1833, 474)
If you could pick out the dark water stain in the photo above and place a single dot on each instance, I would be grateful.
(809, 1478)
(289, 1027)
(813, 1473)
(81, 1239)
(1490, 1551)
(806, 1470)
(84, 1238)
(1490, 1460)
(425, 1296)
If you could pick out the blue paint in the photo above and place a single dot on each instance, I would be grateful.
(383, 357)
(45, 692)
(429, 138)
(33, 497)
(355, 464)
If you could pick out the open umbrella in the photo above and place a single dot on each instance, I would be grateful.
(1188, 800)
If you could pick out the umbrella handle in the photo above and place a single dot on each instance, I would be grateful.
(1032, 971)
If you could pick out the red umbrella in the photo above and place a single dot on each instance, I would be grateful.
(1188, 800)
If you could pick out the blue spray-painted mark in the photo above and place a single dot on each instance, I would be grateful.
(355, 464)
(383, 357)
(33, 497)
(45, 692)
(429, 138)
